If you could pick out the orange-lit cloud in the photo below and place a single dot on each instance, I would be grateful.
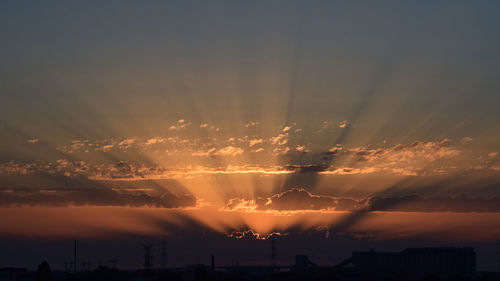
(298, 200)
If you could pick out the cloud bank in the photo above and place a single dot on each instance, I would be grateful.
(298, 199)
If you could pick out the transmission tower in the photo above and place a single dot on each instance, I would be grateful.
(148, 258)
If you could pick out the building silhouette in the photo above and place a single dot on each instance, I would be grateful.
(451, 260)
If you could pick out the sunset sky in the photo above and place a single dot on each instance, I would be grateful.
(337, 126)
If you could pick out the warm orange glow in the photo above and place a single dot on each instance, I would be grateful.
(90, 221)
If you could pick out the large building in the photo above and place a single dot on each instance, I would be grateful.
(460, 261)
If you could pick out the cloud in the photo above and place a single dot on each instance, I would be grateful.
(327, 124)
(254, 142)
(416, 150)
(208, 126)
(179, 125)
(250, 234)
(330, 124)
(281, 150)
(19, 168)
(229, 151)
(126, 143)
(155, 140)
(107, 147)
(402, 159)
(33, 140)
(414, 203)
(306, 168)
(251, 124)
(302, 148)
(122, 170)
(467, 139)
(280, 139)
(92, 196)
(119, 170)
(295, 199)
(238, 204)
(260, 149)
(209, 152)
(298, 200)
(407, 159)
(351, 171)
(413, 158)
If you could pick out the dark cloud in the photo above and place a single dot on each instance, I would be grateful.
(307, 168)
(300, 199)
(92, 196)
(72, 169)
(414, 203)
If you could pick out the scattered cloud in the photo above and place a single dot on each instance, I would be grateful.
(403, 159)
(427, 150)
(280, 139)
(251, 124)
(179, 125)
(281, 150)
(253, 142)
(155, 140)
(229, 151)
(349, 171)
(467, 139)
(330, 124)
(302, 148)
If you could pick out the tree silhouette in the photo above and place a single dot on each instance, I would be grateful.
(43, 273)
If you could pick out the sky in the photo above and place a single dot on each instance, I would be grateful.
(333, 125)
